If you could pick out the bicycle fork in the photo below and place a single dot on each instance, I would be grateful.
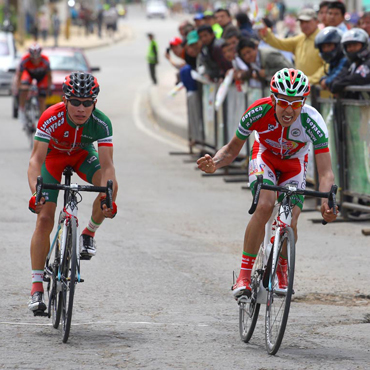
(284, 219)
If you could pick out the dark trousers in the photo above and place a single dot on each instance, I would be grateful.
(152, 73)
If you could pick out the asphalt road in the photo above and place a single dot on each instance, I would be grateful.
(157, 295)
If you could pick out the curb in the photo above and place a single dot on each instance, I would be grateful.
(125, 32)
(166, 120)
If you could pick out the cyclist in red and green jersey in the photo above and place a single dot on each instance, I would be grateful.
(64, 137)
(284, 128)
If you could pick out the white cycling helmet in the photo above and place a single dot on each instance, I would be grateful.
(290, 82)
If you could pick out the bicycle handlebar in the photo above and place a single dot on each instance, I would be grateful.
(108, 190)
(259, 185)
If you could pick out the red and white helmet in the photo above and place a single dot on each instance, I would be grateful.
(290, 82)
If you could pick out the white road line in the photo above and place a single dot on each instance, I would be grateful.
(140, 125)
(106, 323)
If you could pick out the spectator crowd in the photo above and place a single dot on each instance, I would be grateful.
(333, 53)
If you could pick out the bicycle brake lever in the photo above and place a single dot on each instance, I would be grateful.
(39, 189)
(109, 194)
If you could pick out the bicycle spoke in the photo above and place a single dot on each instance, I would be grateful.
(278, 299)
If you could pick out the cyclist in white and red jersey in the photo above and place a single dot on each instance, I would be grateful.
(65, 135)
(284, 127)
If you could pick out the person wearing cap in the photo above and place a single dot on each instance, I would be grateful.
(307, 57)
(199, 20)
(152, 57)
(193, 48)
(177, 48)
(210, 19)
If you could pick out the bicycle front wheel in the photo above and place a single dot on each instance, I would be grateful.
(56, 298)
(279, 295)
(69, 277)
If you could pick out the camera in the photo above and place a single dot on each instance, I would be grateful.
(168, 50)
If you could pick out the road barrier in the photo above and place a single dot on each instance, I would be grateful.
(348, 122)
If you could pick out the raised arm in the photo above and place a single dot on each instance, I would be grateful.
(223, 157)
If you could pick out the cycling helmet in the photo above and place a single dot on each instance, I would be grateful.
(81, 85)
(356, 35)
(291, 82)
(35, 50)
(326, 36)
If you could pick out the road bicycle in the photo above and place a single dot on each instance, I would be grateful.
(32, 112)
(62, 267)
(271, 282)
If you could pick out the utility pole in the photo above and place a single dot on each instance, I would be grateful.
(21, 21)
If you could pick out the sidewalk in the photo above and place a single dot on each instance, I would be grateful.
(78, 39)
(170, 112)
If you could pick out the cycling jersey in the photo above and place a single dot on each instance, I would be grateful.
(62, 134)
(282, 150)
(71, 145)
(286, 142)
(37, 72)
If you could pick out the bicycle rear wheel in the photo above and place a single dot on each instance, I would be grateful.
(249, 308)
(248, 315)
(69, 278)
(278, 299)
(32, 116)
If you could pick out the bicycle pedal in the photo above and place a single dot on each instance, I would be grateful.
(85, 257)
(40, 313)
(76, 280)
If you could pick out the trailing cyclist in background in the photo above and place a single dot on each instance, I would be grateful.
(64, 137)
(284, 127)
(33, 65)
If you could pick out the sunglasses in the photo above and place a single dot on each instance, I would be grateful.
(285, 103)
(85, 103)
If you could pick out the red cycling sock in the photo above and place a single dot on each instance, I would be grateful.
(91, 228)
(247, 265)
(86, 231)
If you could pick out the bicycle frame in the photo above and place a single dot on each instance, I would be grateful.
(70, 210)
(281, 217)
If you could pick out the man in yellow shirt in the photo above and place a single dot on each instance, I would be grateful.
(307, 57)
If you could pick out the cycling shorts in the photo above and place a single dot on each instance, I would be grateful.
(85, 163)
(42, 85)
(277, 171)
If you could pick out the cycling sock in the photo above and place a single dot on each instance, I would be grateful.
(283, 261)
(91, 228)
(37, 279)
(247, 265)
